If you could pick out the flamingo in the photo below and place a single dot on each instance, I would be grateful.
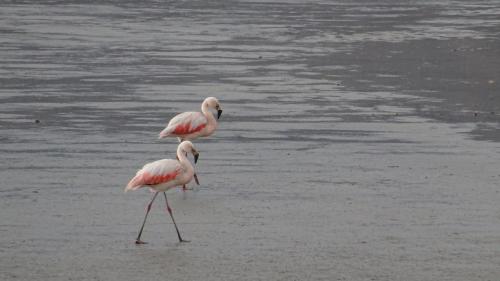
(162, 175)
(191, 125)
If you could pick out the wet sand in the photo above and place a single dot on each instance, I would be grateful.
(358, 141)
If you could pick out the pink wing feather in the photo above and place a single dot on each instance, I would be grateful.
(184, 124)
(157, 172)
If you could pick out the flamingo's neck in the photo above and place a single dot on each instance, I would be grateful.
(212, 123)
(181, 154)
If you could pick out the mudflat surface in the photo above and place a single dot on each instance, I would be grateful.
(359, 141)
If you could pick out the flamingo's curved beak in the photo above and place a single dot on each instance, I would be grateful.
(196, 155)
(219, 113)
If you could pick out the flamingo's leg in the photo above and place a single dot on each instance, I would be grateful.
(173, 220)
(148, 208)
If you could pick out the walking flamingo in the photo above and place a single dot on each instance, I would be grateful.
(191, 125)
(163, 175)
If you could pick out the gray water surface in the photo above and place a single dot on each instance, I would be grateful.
(359, 141)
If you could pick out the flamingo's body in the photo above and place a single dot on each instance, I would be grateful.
(191, 125)
(163, 175)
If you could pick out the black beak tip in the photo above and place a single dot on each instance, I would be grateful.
(196, 157)
(219, 113)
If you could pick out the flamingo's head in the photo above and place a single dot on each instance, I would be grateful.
(213, 103)
(187, 147)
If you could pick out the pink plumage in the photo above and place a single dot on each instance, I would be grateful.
(164, 174)
(191, 125)
(158, 172)
(184, 124)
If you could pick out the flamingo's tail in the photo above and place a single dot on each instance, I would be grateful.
(165, 133)
(135, 183)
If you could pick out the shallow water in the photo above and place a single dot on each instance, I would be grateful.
(358, 140)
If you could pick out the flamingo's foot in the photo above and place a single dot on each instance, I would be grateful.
(140, 242)
(184, 241)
